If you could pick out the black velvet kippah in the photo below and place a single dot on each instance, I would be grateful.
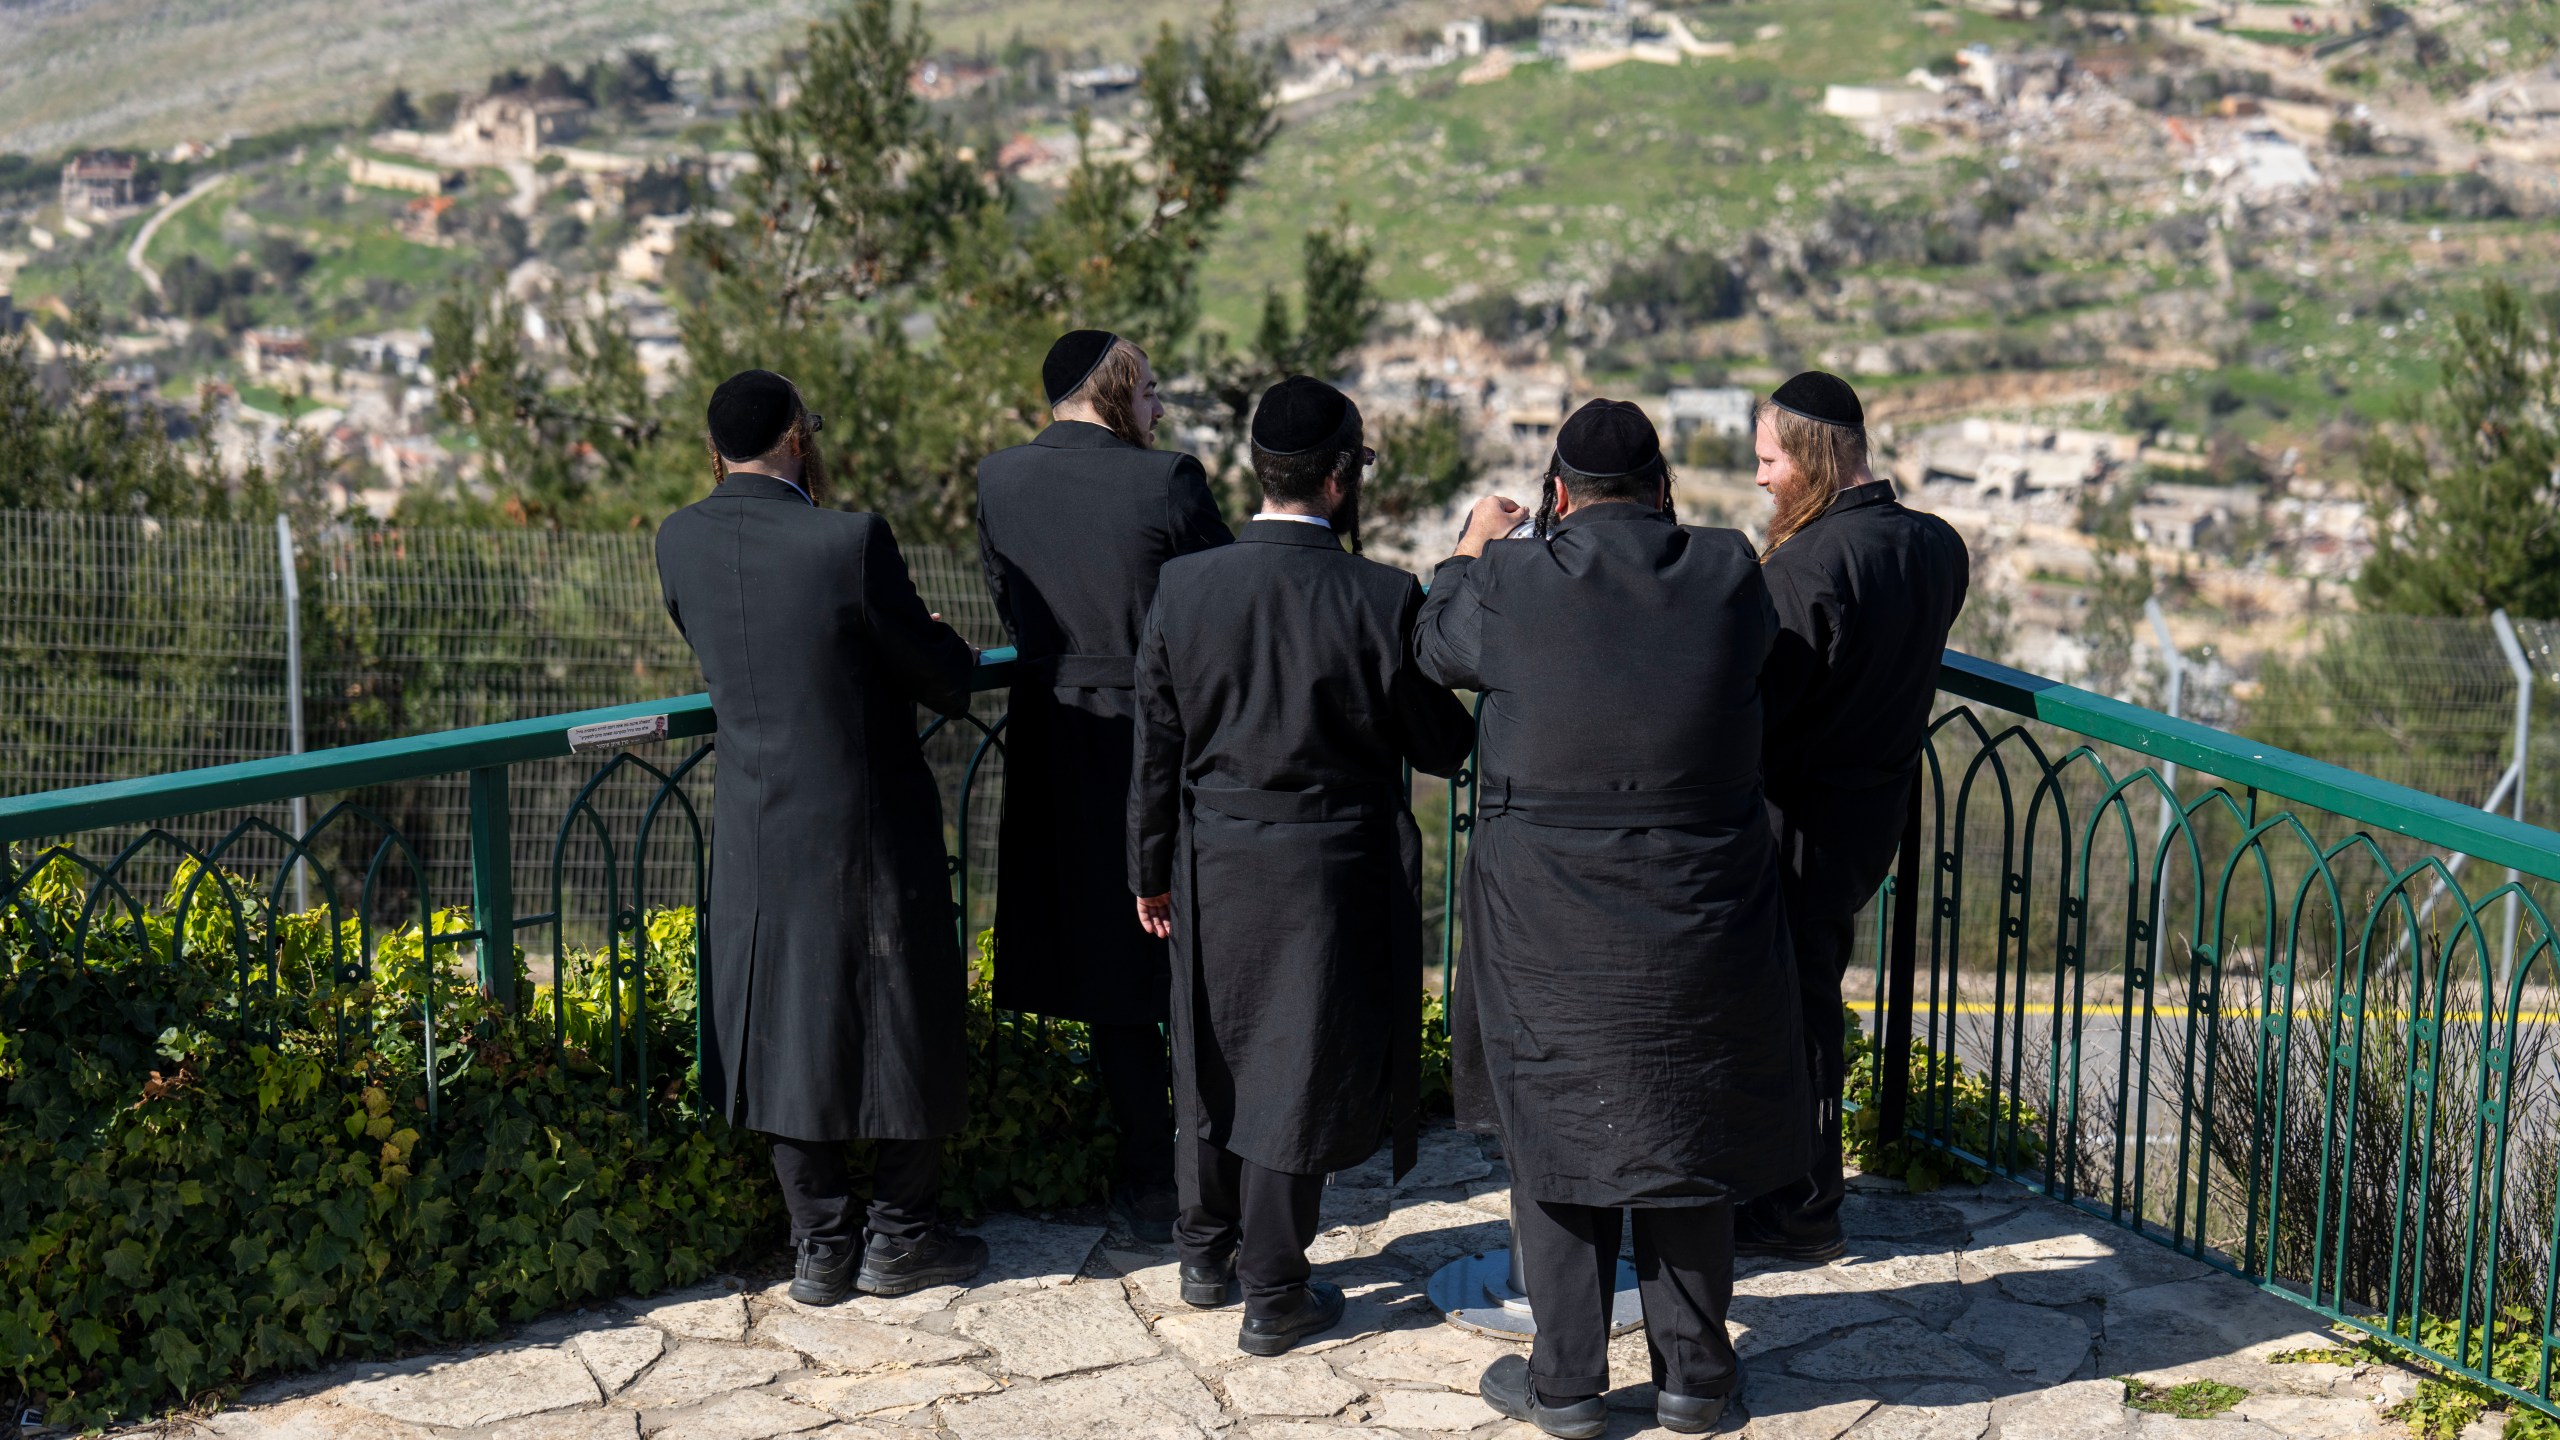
(1816, 395)
(750, 411)
(1073, 360)
(1302, 414)
(1608, 438)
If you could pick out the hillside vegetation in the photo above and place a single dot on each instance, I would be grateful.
(155, 71)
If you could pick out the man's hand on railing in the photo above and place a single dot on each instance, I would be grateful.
(975, 649)
(1155, 915)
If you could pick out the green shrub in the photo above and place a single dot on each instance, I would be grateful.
(194, 1191)
(1969, 1125)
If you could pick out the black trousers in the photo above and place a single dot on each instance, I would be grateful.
(817, 1188)
(1684, 1272)
(1266, 1219)
(1137, 1078)
(1826, 938)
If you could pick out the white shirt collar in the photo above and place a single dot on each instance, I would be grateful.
(1301, 519)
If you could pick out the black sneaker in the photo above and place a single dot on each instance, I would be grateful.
(825, 1273)
(894, 1267)
(1147, 1210)
(1506, 1387)
(1687, 1414)
(1318, 1309)
(1809, 1247)
(1207, 1287)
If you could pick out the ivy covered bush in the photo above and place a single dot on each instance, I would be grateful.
(214, 1166)
(1975, 1118)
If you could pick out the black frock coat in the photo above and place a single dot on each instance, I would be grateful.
(1866, 594)
(1626, 967)
(1278, 704)
(1072, 528)
(838, 1002)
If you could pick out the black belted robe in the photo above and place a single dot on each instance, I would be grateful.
(1278, 704)
(837, 998)
(1625, 961)
(1072, 528)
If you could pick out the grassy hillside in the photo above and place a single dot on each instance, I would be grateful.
(1548, 176)
(96, 71)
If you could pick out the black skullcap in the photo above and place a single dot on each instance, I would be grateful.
(1816, 395)
(1073, 360)
(749, 413)
(1302, 415)
(1608, 438)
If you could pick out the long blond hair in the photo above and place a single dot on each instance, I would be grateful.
(1112, 390)
(1828, 459)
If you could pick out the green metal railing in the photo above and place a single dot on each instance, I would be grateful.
(2252, 1014)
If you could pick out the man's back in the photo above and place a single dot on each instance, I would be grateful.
(1277, 706)
(833, 985)
(1074, 527)
(1633, 999)
(1623, 654)
(1288, 658)
(1866, 594)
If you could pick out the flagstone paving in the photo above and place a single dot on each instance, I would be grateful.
(1971, 1314)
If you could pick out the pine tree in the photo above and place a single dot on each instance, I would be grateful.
(2465, 499)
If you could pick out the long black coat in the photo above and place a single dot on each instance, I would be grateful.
(837, 995)
(1278, 704)
(1073, 528)
(1626, 963)
(1865, 594)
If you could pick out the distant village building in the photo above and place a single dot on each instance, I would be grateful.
(1878, 102)
(949, 79)
(383, 174)
(1570, 29)
(1535, 413)
(103, 186)
(516, 126)
(1719, 409)
(2027, 79)
(393, 352)
(1081, 87)
(1463, 39)
(2533, 102)
(654, 241)
(275, 354)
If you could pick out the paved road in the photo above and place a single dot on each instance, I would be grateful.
(142, 238)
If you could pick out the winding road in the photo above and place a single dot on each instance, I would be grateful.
(133, 253)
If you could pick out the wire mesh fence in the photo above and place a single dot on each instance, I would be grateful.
(130, 647)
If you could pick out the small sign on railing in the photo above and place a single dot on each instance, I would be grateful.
(616, 734)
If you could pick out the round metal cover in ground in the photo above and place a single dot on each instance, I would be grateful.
(1474, 1292)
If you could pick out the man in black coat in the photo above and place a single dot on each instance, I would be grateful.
(837, 998)
(1073, 528)
(1866, 592)
(1271, 838)
(1626, 956)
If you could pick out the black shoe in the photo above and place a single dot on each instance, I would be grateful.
(1506, 1388)
(1813, 1246)
(1207, 1287)
(1147, 1210)
(825, 1273)
(1319, 1309)
(892, 1267)
(1687, 1414)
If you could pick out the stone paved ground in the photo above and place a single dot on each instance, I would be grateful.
(1970, 1314)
